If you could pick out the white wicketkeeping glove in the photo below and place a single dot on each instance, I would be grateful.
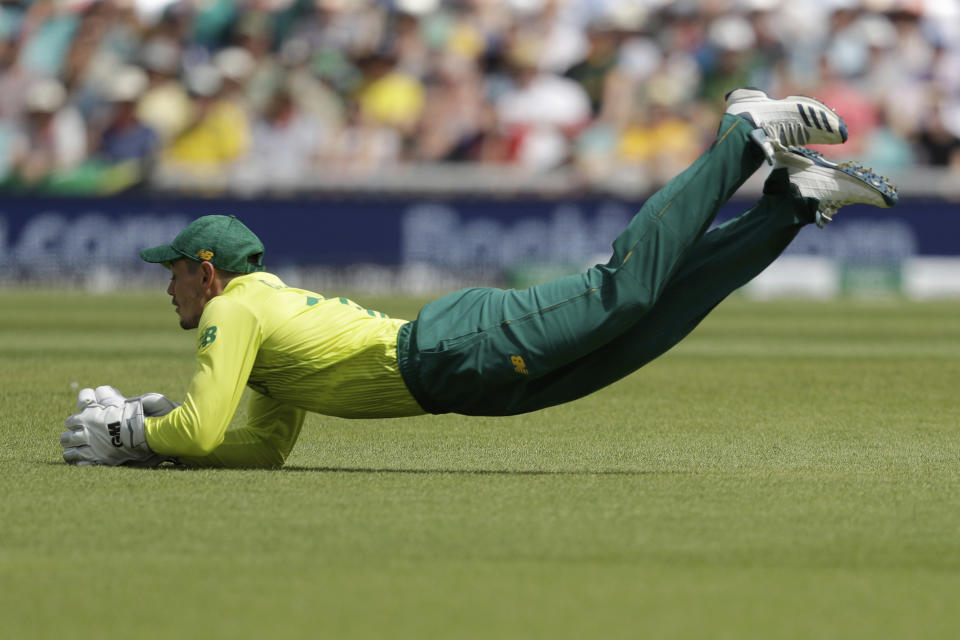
(108, 428)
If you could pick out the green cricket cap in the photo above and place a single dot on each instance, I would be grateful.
(223, 241)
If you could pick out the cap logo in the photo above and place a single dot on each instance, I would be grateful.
(204, 254)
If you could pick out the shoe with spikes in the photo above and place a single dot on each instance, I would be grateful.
(834, 185)
(794, 120)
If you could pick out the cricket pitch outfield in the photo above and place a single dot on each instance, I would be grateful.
(791, 470)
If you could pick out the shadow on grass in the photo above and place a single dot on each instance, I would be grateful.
(482, 472)
(371, 470)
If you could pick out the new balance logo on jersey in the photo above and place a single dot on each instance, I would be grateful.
(208, 336)
(114, 430)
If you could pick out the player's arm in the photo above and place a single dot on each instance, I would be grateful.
(228, 339)
(264, 442)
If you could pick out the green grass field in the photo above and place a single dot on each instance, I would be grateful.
(792, 470)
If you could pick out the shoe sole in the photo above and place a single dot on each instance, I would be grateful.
(856, 171)
(814, 116)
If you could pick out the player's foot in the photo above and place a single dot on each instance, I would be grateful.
(794, 120)
(834, 185)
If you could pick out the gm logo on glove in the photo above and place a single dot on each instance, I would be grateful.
(114, 430)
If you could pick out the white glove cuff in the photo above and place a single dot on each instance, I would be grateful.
(132, 431)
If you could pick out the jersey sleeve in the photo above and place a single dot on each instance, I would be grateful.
(228, 338)
(264, 442)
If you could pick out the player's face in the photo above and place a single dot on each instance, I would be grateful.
(188, 292)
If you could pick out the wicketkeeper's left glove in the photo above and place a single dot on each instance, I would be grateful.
(109, 430)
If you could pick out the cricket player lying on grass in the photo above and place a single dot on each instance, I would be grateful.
(478, 351)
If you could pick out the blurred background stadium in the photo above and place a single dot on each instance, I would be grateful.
(416, 145)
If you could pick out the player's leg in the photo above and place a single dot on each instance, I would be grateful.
(472, 342)
(725, 259)
(806, 188)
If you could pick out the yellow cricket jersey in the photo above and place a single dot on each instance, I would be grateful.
(298, 351)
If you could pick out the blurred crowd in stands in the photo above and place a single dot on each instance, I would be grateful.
(96, 96)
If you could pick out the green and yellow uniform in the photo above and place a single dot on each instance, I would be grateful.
(297, 351)
(479, 351)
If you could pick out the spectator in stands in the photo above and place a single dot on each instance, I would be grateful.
(602, 57)
(362, 147)
(126, 139)
(53, 138)
(13, 86)
(939, 137)
(88, 67)
(312, 95)
(46, 33)
(407, 45)
(235, 66)
(728, 59)
(860, 112)
(483, 81)
(888, 149)
(659, 138)
(285, 147)
(542, 112)
(453, 114)
(219, 133)
(165, 105)
(391, 96)
(265, 75)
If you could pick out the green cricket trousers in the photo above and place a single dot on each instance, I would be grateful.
(485, 351)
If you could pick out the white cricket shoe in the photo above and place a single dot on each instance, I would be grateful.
(834, 185)
(794, 120)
